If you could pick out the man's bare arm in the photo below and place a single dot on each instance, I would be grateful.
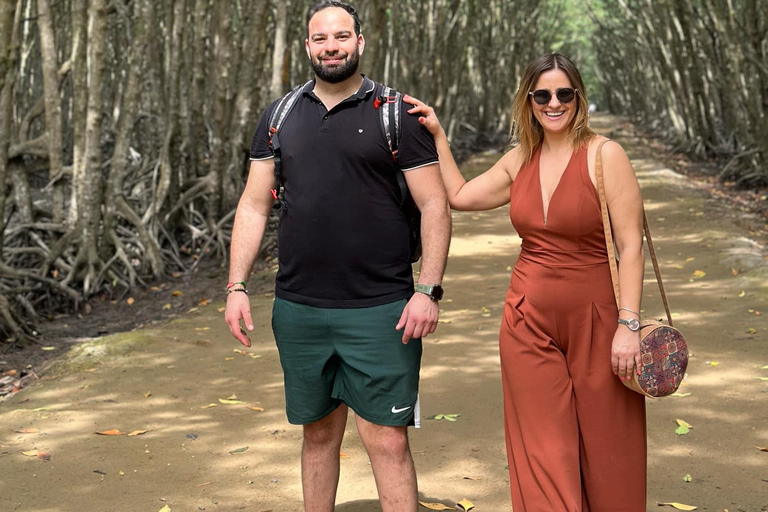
(420, 316)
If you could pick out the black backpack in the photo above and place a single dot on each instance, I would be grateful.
(388, 103)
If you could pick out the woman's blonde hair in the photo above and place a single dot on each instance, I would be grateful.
(526, 130)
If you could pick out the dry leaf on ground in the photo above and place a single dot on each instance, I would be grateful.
(227, 401)
(35, 453)
(111, 432)
(240, 450)
(678, 506)
(27, 431)
(435, 506)
(466, 505)
(137, 433)
(208, 406)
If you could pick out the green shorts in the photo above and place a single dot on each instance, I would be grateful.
(354, 356)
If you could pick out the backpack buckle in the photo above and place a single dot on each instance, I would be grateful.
(274, 194)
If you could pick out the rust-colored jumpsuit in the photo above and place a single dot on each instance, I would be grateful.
(575, 435)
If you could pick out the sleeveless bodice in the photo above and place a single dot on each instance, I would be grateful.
(573, 232)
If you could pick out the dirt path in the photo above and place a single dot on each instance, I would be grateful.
(158, 379)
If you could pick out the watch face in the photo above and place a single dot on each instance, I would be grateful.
(437, 292)
(633, 324)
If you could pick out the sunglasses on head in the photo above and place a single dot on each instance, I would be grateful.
(564, 95)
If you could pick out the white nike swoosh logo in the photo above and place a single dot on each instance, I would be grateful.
(395, 411)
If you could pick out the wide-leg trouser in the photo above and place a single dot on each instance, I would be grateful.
(575, 436)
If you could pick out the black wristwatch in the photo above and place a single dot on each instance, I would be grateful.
(433, 291)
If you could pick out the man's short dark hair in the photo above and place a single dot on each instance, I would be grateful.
(324, 4)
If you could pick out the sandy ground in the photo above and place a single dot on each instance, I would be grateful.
(159, 379)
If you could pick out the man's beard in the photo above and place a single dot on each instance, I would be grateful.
(339, 73)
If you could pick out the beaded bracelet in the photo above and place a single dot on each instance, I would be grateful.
(230, 290)
(231, 284)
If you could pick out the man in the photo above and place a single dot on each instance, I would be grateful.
(347, 322)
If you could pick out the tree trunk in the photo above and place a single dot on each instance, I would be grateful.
(52, 102)
(281, 46)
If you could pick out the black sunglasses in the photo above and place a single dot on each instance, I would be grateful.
(564, 95)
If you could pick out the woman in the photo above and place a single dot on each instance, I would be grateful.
(575, 435)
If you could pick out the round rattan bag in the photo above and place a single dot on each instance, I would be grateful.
(665, 359)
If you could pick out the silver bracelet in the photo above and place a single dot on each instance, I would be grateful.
(631, 311)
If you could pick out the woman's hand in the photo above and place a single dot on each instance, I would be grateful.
(625, 352)
(427, 115)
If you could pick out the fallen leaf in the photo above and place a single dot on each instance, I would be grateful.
(761, 378)
(699, 273)
(684, 423)
(240, 450)
(689, 259)
(734, 271)
(687, 478)
(27, 431)
(167, 306)
(343, 455)
(443, 321)
(253, 356)
(240, 351)
(256, 408)
(764, 367)
(130, 301)
(121, 473)
(177, 293)
(204, 302)
(202, 328)
(147, 394)
(678, 506)
(713, 363)
(137, 433)
(762, 448)
(435, 506)
(203, 484)
(208, 406)
(112, 432)
(682, 430)
(221, 310)
(229, 358)
(35, 453)
(155, 288)
(743, 293)
(751, 330)
(677, 393)
(466, 505)
(227, 401)
(165, 508)
(48, 349)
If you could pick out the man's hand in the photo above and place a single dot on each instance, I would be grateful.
(419, 317)
(239, 307)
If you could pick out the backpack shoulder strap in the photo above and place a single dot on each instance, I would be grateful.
(388, 103)
(279, 115)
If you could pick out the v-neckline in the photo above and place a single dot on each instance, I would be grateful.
(545, 213)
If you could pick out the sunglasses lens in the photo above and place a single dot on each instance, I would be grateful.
(542, 96)
(565, 95)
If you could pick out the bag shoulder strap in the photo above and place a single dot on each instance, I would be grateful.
(388, 103)
(609, 237)
(279, 115)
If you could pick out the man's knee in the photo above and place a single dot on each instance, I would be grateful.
(390, 441)
(322, 433)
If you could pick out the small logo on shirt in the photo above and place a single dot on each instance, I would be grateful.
(360, 130)
(395, 410)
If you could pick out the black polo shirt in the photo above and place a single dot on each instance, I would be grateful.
(343, 239)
